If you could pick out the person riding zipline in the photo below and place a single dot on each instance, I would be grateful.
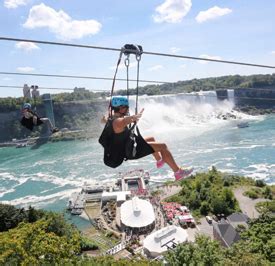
(117, 136)
(30, 119)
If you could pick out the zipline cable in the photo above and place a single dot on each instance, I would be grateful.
(40, 88)
(149, 53)
(220, 88)
(102, 78)
(188, 94)
(79, 77)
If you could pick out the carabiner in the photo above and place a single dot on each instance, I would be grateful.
(138, 57)
(127, 61)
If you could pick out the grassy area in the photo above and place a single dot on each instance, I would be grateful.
(263, 191)
(265, 206)
(101, 238)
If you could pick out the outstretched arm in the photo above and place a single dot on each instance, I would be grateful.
(120, 123)
(104, 119)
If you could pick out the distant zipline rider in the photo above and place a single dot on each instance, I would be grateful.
(118, 137)
(30, 119)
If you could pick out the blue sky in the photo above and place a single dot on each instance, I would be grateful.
(239, 30)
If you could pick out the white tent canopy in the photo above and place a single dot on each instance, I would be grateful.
(137, 213)
(156, 243)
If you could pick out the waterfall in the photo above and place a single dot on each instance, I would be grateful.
(231, 94)
(185, 113)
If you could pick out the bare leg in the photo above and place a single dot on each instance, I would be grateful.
(155, 154)
(48, 122)
(165, 154)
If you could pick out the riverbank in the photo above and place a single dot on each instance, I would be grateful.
(63, 135)
(252, 110)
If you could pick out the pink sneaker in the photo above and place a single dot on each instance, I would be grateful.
(160, 163)
(182, 173)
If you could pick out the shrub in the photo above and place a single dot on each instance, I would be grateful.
(87, 244)
(251, 194)
(205, 208)
(109, 234)
(259, 183)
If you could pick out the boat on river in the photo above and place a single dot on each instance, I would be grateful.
(242, 125)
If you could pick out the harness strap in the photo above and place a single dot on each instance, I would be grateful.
(113, 85)
(127, 64)
(127, 49)
(137, 51)
(138, 60)
(34, 97)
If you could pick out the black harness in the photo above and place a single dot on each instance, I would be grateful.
(127, 145)
(28, 122)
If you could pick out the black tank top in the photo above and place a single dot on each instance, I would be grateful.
(115, 145)
(119, 142)
(28, 122)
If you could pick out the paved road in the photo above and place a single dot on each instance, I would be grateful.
(204, 228)
(169, 191)
(247, 204)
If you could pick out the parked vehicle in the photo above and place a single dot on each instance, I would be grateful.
(215, 218)
(184, 225)
(209, 219)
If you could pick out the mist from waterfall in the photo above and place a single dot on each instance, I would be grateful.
(182, 114)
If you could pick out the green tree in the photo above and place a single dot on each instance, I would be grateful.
(34, 244)
(219, 205)
(10, 216)
(260, 183)
(260, 236)
(205, 208)
(267, 193)
(238, 254)
(111, 261)
(203, 252)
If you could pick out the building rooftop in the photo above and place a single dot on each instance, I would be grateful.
(137, 213)
(159, 241)
(237, 217)
(118, 195)
(227, 232)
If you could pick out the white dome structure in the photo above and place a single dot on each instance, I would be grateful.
(163, 239)
(137, 213)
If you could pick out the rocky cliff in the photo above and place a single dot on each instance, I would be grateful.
(71, 115)
(259, 98)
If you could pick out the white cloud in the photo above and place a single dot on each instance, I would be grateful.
(209, 57)
(122, 65)
(6, 79)
(26, 46)
(172, 11)
(60, 23)
(212, 13)
(155, 68)
(174, 50)
(273, 52)
(15, 3)
(25, 69)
